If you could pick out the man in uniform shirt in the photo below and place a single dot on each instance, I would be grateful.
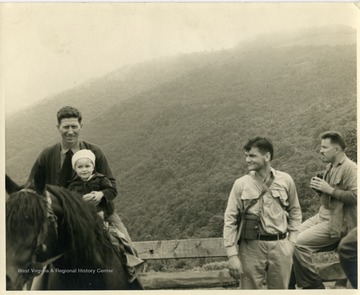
(337, 214)
(263, 208)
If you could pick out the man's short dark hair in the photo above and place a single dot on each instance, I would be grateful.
(68, 112)
(335, 138)
(263, 144)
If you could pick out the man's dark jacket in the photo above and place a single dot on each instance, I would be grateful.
(47, 167)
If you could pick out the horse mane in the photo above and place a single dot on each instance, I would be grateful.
(90, 244)
(25, 211)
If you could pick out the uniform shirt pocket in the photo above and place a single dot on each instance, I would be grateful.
(249, 193)
(280, 196)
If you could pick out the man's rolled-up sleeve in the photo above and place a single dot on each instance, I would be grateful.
(348, 194)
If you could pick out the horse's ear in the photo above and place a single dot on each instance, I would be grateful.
(11, 186)
(39, 182)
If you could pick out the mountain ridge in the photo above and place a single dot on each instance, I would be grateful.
(173, 130)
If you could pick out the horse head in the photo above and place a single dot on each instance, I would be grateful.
(29, 223)
(58, 229)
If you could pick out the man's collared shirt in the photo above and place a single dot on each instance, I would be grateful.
(343, 203)
(275, 218)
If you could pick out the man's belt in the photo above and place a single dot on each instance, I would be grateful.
(271, 237)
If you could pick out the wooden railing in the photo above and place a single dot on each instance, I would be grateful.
(200, 248)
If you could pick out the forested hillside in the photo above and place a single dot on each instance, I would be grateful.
(173, 129)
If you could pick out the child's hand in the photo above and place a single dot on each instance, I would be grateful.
(94, 197)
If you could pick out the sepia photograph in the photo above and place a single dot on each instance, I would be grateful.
(172, 147)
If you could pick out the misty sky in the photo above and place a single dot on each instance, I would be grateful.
(49, 47)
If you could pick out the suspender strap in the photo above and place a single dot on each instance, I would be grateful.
(265, 188)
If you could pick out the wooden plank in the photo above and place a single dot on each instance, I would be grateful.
(187, 280)
(190, 248)
(215, 278)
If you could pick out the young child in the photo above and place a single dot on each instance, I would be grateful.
(95, 188)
